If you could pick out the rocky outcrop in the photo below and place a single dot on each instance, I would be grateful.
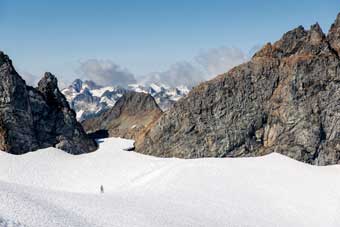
(132, 114)
(34, 118)
(334, 35)
(285, 100)
(16, 121)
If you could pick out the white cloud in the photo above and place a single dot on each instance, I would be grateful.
(29, 78)
(216, 61)
(105, 72)
(180, 73)
(254, 49)
(206, 65)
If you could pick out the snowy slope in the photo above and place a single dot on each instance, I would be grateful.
(52, 188)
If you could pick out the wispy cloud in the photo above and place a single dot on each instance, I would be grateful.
(219, 60)
(105, 72)
(29, 78)
(206, 65)
(254, 49)
(180, 73)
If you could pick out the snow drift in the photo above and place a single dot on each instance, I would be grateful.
(52, 188)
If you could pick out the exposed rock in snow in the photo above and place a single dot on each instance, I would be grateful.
(33, 118)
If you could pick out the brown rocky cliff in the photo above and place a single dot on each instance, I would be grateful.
(132, 114)
(285, 100)
(334, 35)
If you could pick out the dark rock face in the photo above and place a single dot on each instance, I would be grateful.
(16, 121)
(334, 35)
(33, 118)
(285, 100)
(133, 113)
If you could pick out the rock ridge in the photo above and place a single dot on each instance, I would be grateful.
(286, 99)
(133, 113)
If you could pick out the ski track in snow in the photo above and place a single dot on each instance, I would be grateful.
(52, 188)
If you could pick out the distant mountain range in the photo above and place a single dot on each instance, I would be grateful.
(89, 100)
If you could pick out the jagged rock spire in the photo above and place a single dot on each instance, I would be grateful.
(77, 85)
(33, 118)
(49, 80)
(6, 63)
(48, 86)
(3, 57)
(336, 22)
(334, 35)
(297, 41)
(316, 34)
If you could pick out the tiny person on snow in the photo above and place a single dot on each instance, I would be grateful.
(101, 189)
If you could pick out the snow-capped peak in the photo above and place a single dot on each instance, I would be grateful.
(89, 99)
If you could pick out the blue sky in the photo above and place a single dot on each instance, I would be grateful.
(144, 36)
